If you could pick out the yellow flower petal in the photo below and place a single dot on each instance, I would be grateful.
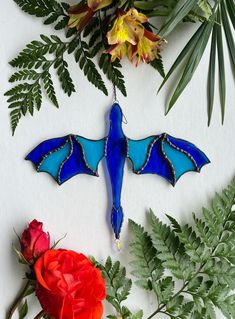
(147, 50)
(139, 17)
(117, 51)
(127, 27)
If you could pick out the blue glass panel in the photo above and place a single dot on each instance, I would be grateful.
(75, 164)
(199, 157)
(158, 164)
(138, 151)
(93, 151)
(179, 160)
(52, 162)
(116, 220)
(116, 153)
(45, 147)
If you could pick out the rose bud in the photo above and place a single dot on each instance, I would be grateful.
(34, 241)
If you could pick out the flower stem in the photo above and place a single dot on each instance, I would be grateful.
(40, 315)
(18, 300)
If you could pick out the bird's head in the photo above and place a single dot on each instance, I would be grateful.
(116, 114)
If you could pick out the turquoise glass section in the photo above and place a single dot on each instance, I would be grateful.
(138, 151)
(51, 163)
(179, 160)
(93, 151)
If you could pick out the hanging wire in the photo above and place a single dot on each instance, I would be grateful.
(115, 94)
(115, 100)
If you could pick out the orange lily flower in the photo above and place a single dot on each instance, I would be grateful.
(117, 51)
(81, 14)
(129, 37)
(127, 27)
(148, 47)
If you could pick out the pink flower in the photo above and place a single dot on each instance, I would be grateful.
(34, 241)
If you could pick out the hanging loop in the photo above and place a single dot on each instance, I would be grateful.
(124, 120)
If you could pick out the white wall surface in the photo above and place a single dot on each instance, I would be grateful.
(80, 207)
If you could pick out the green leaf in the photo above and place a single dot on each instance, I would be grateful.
(111, 69)
(35, 62)
(23, 310)
(211, 75)
(228, 33)
(118, 286)
(29, 291)
(157, 64)
(231, 11)
(51, 10)
(167, 244)
(179, 12)
(145, 265)
(164, 289)
(192, 63)
(82, 56)
(137, 315)
(49, 88)
(222, 84)
(189, 47)
(205, 6)
(145, 5)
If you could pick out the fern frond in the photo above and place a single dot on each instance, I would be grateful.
(50, 9)
(202, 256)
(35, 63)
(111, 70)
(146, 266)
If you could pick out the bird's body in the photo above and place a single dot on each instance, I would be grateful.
(116, 153)
(164, 155)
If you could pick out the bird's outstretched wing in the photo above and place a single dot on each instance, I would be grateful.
(67, 156)
(166, 156)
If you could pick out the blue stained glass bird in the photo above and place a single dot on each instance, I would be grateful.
(164, 155)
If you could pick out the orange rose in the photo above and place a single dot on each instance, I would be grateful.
(69, 286)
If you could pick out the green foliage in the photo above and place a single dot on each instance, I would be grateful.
(158, 65)
(23, 310)
(215, 19)
(146, 266)
(53, 11)
(112, 72)
(190, 269)
(118, 287)
(36, 62)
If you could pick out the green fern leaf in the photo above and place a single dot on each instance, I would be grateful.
(146, 266)
(50, 9)
(112, 72)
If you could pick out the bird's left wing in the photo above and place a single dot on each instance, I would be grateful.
(166, 156)
(67, 156)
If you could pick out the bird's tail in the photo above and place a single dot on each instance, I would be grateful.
(116, 220)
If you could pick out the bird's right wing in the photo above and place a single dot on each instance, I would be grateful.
(166, 156)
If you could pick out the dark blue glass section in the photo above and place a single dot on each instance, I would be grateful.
(75, 164)
(200, 158)
(158, 164)
(116, 152)
(44, 148)
(116, 220)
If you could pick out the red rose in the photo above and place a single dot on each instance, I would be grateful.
(69, 286)
(34, 241)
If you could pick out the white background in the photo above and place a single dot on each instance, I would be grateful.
(80, 207)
